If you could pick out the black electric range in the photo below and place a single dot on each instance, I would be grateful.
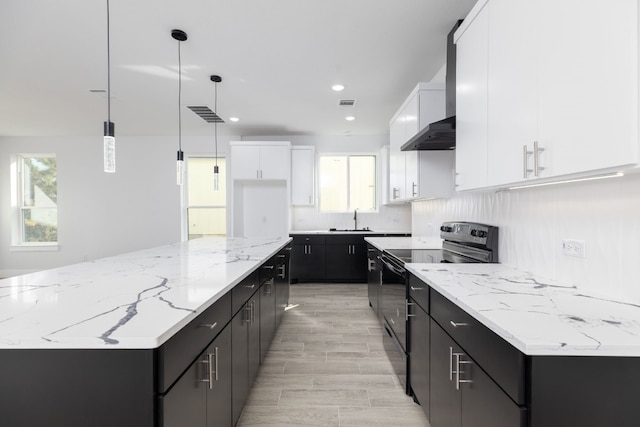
(463, 242)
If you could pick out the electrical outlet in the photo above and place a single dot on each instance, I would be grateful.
(574, 248)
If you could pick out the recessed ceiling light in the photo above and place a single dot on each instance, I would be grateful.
(337, 88)
(350, 118)
(234, 119)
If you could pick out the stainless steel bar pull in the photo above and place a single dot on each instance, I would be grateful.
(408, 304)
(209, 325)
(458, 324)
(525, 159)
(536, 159)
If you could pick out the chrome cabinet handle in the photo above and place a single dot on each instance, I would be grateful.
(215, 365)
(250, 286)
(268, 267)
(413, 288)
(247, 313)
(208, 325)
(455, 325)
(525, 158)
(414, 188)
(459, 371)
(395, 193)
(536, 159)
(450, 363)
(408, 304)
(281, 272)
(211, 373)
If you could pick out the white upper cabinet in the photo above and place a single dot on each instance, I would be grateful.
(471, 103)
(588, 80)
(408, 169)
(260, 160)
(303, 163)
(561, 89)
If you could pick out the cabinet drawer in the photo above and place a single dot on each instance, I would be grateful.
(345, 239)
(184, 347)
(308, 239)
(241, 293)
(504, 363)
(419, 291)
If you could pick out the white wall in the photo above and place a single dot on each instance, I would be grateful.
(102, 214)
(533, 222)
(389, 218)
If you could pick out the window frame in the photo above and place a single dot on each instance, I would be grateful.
(17, 171)
(377, 179)
(184, 220)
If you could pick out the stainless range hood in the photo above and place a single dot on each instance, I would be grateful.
(441, 135)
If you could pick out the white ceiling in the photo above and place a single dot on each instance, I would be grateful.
(277, 58)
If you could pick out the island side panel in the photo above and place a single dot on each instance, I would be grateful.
(77, 387)
(585, 391)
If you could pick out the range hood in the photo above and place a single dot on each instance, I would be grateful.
(441, 135)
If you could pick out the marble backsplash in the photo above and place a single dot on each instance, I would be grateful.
(533, 222)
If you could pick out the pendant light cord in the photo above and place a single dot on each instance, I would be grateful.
(179, 98)
(215, 123)
(108, 67)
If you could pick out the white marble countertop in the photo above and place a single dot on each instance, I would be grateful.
(136, 300)
(535, 315)
(383, 243)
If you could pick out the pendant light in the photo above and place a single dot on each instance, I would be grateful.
(180, 36)
(109, 142)
(216, 171)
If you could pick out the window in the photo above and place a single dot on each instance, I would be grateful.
(35, 199)
(347, 183)
(206, 208)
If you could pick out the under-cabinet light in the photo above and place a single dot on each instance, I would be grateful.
(591, 178)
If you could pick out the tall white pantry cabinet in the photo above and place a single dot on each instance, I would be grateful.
(261, 191)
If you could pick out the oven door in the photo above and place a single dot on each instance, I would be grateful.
(394, 298)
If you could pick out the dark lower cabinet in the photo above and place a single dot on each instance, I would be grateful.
(419, 357)
(282, 282)
(202, 396)
(307, 259)
(245, 330)
(373, 277)
(267, 315)
(346, 259)
(462, 394)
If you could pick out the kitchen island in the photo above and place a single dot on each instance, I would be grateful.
(125, 340)
(509, 348)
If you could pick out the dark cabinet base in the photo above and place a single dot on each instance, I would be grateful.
(77, 388)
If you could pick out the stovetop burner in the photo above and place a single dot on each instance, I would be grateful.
(464, 242)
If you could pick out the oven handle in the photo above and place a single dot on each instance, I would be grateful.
(388, 264)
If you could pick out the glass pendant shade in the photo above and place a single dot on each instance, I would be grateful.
(216, 178)
(109, 148)
(180, 168)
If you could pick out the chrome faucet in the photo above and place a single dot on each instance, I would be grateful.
(355, 219)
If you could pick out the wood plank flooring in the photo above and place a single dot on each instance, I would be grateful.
(327, 367)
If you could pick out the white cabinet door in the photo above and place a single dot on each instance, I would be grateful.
(512, 89)
(396, 160)
(275, 162)
(260, 162)
(245, 162)
(471, 104)
(303, 176)
(588, 80)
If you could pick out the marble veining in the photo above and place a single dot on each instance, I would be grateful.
(383, 243)
(536, 315)
(134, 300)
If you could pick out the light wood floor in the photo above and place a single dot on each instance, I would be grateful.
(327, 367)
